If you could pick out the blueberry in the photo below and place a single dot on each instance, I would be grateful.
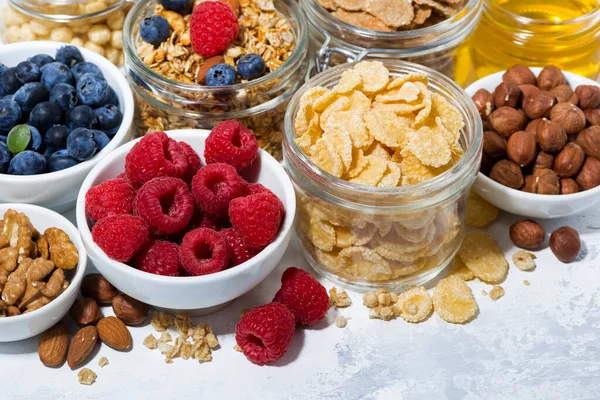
(101, 139)
(109, 119)
(36, 141)
(30, 95)
(182, 7)
(80, 117)
(155, 29)
(27, 163)
(56, 137)
(9, 97)
(55, 73)
(48, 152)
(10, 114)
(221, 75)
(3, 139)
(251, 66)
(5, 157)
(69, 55)
(112, 97)
(92, 90)
(81, 144)
(3, 67)
(82, 68)
(61, 160)
(41, 59)
(9, 83)
(44, 116)
(64, 95)
(27, 71)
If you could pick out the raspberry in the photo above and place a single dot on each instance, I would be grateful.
(265, 333)
(238, 251)
(305, 297)
(203, 251)
(166, 205)
(214, 186)
(112, 197)
(256, 218)
(121, 236)
(154, 156)
(193, 159)
(253, 188)
(214, 25)
(159, 257)
(231, 143)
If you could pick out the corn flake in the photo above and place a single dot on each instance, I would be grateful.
(349, 81)
(479, 212)
(373, 173)
(481, 254)
(414, 305)
(325, 156)
(460, 270)
(453, 301)
(431, 149)
(387, 128)
(322, 235)
(392, 176)
(363, 262)
(375, 76)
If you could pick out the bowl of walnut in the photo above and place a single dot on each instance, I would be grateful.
(42, 263)
(541, 151)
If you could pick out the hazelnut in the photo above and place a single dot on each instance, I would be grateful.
(565, 244)
(589, 177)
(506, 121)
(494, 145)
(521, 148)
(568, 186)
(484, 101)
(592, 116)
(550, 136)
(563, 93)
(129, 310)
(85, 311)
(507, 173)
(96, 286)
(528, 90)
(589, 96)
(569, 117)
(527, 234)
(532, 126)
(528, 186)
(550, 77)
(589, 140)
(519, 74)
(486, 164)
(569, 161)
(544, 160)
(545, 181)
(507, 94)
(539, 104)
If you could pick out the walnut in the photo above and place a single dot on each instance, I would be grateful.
(550, 77)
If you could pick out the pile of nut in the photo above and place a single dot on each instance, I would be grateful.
(32, 265)
(541, 136)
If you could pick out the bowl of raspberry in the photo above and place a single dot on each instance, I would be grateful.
(62, 109)
(187, 219)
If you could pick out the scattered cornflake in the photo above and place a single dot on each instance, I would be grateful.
(484, 292)
(414, 305)
(103, 362)
(480, 213)
(526, 282)
(524, 260)
(150, 342)
(87, 376)
(341, 321)
(339, 298)
(459, 269)
(453, 300)
(482, 255)
(496, 292)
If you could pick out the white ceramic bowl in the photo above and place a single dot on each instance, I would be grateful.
(200, 293)
(33, 323)
(531, 204)
(58, 190)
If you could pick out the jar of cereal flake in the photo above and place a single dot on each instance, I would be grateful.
(94, 24)
(170, 95)
(430, 33)
(379, 228)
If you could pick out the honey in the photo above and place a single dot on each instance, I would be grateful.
(537, 33)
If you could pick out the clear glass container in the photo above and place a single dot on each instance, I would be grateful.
(165, 104)
(442, 47)
(368, 237)
(94, 24)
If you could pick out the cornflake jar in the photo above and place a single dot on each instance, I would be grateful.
(442, 46)
(367, 237)
(176, 102)
(96, 25)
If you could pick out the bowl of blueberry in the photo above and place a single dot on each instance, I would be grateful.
(62, 109)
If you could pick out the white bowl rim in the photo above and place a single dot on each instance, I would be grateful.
(74, 284)
(472, 88)
(181, 134)
(127, 108)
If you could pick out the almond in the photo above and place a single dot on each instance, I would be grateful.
(82, 345)
(114, 333)
(53, 346)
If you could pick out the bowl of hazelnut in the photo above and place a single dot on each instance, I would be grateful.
(541, 151)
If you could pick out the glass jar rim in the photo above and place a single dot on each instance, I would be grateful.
(493, 8)
(150, 75)
(65, 17)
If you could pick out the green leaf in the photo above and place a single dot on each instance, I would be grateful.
(18, 138)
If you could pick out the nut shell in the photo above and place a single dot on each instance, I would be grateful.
(589, 177)
(527, 234)
(565, 244)
(519, 74)
(569, 117)
(506, 121)
(85, 311)
(550, 136)
(494, 145)
(114, 333)
(589, 140)
(507, 173)
(550, 77)
(129, 310)
(96, 287)
(82, 345)
(53, 346)
(521, 148)
(589, 96)
(569, 161)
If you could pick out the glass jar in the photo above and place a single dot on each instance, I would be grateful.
(369, 237)
(94, 24)
(442, 47)
(564, 33)
(163, 103)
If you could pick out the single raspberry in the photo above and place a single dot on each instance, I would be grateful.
(203, 252)
(231, 143)
(305, 297)
(166, 205)
(159, 257)
(256, 218)
(121, 236)
(253, 188)
(265, 333)
(214, 25)
(238, 251)
(193, 159)
(112, 197)
(214, 186)
(154, 156)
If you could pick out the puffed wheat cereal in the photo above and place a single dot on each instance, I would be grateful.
(453, 300)
(481, 254)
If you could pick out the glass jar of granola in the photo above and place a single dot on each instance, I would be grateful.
(382, 156)
(433, 33)
(171, 95)
(94, 24)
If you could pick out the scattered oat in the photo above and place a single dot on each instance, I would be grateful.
(87, 376)
(496, 292)
(483, 292)
(103, 362)
(341, 321)
(339, 298)
(524, 260)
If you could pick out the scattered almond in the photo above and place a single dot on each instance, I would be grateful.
(82, 345)
(114, 333)
(53, 346)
